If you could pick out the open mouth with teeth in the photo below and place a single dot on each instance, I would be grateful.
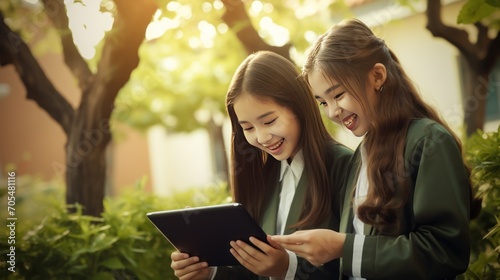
(350, 120)
(277, 145)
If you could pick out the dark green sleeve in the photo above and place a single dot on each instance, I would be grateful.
(234, 272)
(305, 270)
(437, 245)
(338, 169)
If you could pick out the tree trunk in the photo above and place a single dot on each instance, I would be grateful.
(476, 90)
(479, 56)
(86, 162)
(90, 133)
(219, 151)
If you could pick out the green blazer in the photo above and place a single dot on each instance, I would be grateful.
(434, 240)
(337, 161)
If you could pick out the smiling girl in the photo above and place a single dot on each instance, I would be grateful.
(408, 196)
(285, 169)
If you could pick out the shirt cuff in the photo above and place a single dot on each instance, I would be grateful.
(292, 267)
(213, 271)
(357, 256)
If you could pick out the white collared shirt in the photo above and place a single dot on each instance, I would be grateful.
(289, 177)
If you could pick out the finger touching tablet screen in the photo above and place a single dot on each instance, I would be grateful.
(206, 231)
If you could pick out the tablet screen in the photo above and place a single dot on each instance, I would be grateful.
(206, 231)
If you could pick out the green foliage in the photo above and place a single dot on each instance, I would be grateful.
(474, 11)
(33, 24)
(122, 244)
(484, 11)
(483, 154)
(183, 75)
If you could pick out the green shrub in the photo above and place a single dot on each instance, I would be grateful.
(483, 154)
(54, 243)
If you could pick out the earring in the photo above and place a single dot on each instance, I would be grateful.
(380, 89)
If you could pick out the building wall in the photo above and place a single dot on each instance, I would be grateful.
(179, 160)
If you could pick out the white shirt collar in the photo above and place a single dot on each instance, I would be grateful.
(297, 166)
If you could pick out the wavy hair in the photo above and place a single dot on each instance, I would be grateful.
(347, 52)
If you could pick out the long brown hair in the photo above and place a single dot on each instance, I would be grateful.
(254, 174)
(348, 51)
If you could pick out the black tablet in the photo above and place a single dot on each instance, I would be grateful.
(206, 231)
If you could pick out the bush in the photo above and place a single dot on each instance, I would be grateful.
(483, 154)
(54, 243)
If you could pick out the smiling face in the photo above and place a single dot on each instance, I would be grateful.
(339, 105)
(268, 126)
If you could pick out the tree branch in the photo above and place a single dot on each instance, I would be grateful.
(482, 40)
(492, 54)
(120, 54)
(238, 20)
(13, 50)
(457, 37)
(56, 11)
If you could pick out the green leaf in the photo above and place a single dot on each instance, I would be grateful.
(102, 276)
(112, 263)
(474, 11)
(101, 242)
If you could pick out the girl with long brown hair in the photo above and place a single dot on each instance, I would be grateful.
(408, 196)
(286, 170)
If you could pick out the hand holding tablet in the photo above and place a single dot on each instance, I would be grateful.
(207, 231)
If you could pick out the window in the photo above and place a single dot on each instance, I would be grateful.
(493, 99)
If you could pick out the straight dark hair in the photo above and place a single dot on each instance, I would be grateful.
(254, 173)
